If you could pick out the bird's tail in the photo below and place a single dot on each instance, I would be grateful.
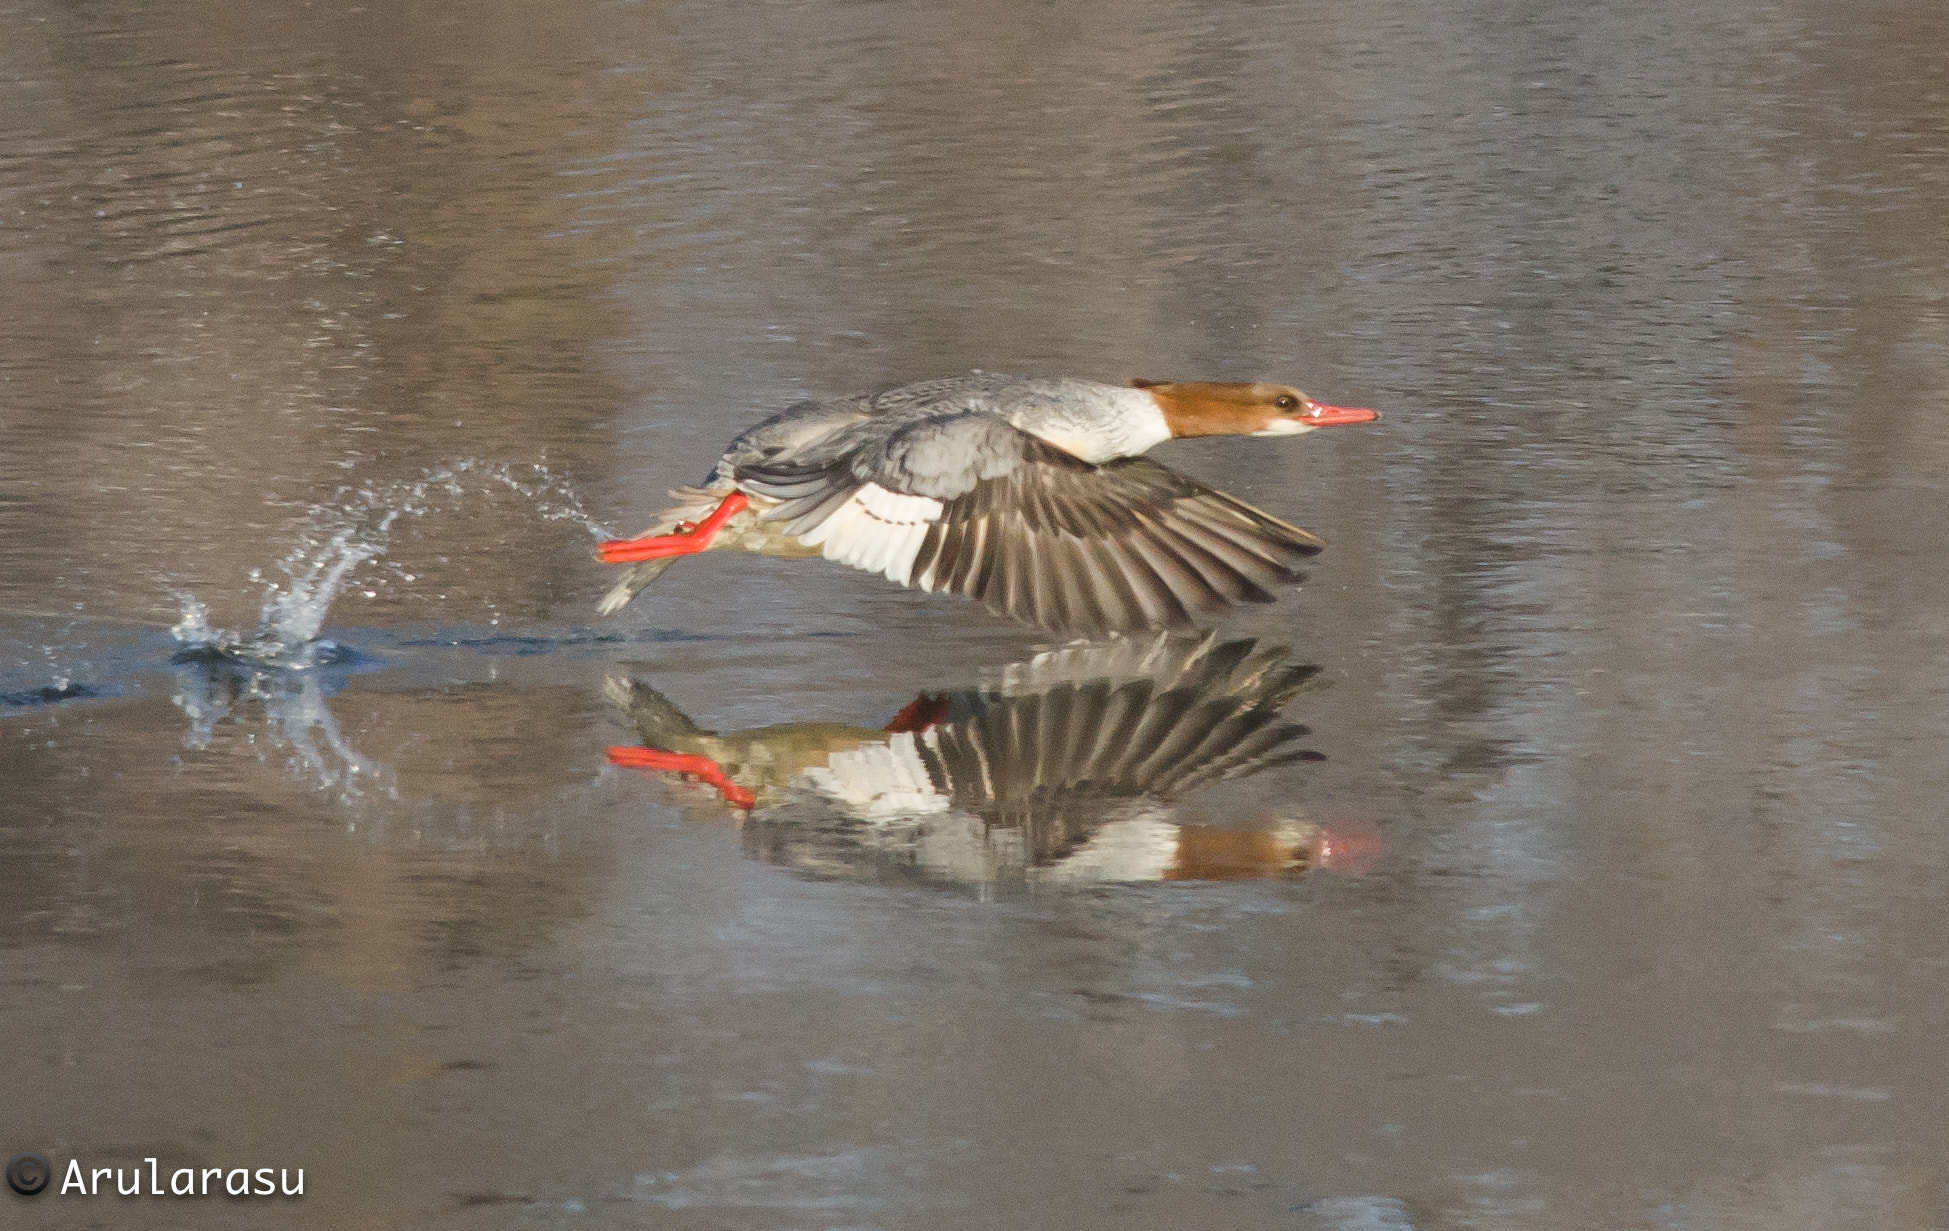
(632, 584)
(656, 718)
(695, 504)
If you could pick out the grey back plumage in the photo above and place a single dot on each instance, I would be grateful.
(790, 432)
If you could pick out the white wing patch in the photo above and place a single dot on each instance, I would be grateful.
(877, 530)
(879, 780)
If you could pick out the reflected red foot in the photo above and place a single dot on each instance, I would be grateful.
(689, 539)
(703, 769)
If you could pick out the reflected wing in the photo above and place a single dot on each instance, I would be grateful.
(963, 501)
(1204, 712)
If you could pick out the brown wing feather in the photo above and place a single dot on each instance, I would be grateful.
(1099, 549)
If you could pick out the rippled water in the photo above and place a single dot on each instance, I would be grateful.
(1588, 875)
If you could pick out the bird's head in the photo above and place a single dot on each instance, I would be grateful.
(1243, 408)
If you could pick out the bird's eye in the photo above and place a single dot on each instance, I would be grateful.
(1286, 401)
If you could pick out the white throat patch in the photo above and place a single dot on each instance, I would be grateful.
(1284, 427)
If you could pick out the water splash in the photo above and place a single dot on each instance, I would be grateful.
(351, 529)
(553, 495)
(294, 613)
(222, 673)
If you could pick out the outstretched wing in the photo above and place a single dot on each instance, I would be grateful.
(963, 501)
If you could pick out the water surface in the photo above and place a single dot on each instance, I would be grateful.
(1606, 895)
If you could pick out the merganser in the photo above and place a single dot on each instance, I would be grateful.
(1158, 716)
(1027, 494)
(1065, 767)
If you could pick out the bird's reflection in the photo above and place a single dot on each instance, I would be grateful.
(1068, 767)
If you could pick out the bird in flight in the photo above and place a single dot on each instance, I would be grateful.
(1029, 495)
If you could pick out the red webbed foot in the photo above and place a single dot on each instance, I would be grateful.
(689, 539)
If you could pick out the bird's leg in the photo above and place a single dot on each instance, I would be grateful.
(700, 767)
(690, 537)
